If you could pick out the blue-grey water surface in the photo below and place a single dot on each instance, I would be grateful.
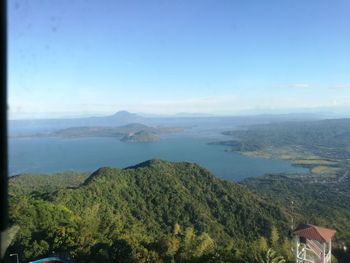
(44, 155)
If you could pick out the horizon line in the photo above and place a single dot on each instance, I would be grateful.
(252, 112)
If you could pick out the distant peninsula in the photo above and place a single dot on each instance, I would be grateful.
(134, 132)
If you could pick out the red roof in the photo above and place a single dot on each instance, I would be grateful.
(314, 232)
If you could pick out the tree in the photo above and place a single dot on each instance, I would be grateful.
(177, 229)
(260, 246)
(203, 245)
(286, 250)
(121, 251)
(40, 248)
(274, 237)
(270, 257)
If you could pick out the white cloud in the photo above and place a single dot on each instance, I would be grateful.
(297, 86)
(300, 85)
(341, 86)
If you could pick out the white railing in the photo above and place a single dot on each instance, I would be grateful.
(305, 260)
(314, 247)
(304, 257)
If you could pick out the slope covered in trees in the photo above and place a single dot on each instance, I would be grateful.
(44, 183)
(323, 204)
(156, 211)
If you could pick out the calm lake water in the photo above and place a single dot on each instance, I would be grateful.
(43, 155)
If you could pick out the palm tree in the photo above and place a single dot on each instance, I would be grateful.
(270, 257)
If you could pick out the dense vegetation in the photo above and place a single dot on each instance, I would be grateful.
(310, 201)
(313, 202)
(44, 183)
(154, 212)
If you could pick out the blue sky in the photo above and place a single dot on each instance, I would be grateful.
(226, 57)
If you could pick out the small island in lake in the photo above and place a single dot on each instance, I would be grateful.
(141, 136)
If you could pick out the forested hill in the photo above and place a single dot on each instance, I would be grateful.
(126, 213)
(163, 194)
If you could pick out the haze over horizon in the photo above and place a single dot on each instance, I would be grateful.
(165, 57)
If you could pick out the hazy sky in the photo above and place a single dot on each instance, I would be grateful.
(71, 57)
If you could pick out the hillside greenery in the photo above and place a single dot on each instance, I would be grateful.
(44, 183)
(153, 212)
(307, 201)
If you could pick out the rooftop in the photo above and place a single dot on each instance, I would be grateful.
(314, 232)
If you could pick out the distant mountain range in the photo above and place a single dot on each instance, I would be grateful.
(25, 127)
(117, 119)
(30, 127)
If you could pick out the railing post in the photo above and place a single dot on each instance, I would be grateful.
(296, 242)
(324, 253)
